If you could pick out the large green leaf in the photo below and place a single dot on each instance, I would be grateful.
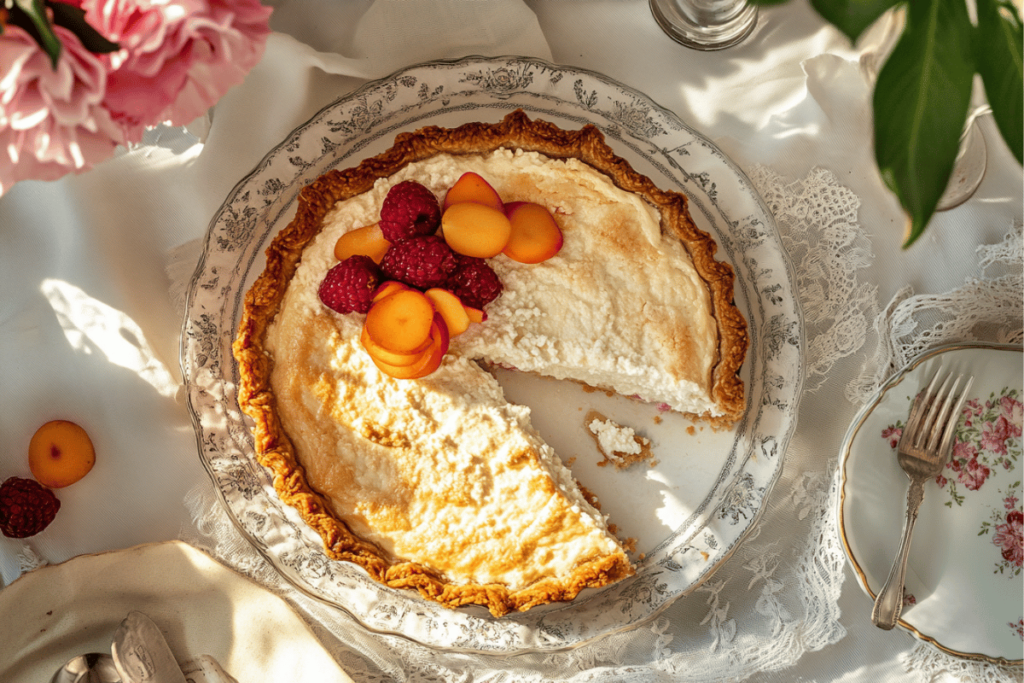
(920, 106)
(852, 17)
(1000, 50)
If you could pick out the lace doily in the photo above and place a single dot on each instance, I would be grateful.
(772, 602)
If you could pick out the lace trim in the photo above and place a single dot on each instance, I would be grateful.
(986, 308)
(817, 218)
(927, 663)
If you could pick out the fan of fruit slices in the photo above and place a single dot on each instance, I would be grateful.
(421, 274)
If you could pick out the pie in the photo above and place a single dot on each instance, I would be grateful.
(439, 484)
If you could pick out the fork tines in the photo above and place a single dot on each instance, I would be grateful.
(938, 409)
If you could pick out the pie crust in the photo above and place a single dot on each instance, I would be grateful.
(275, 450)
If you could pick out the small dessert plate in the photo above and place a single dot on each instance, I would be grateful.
(964, 591)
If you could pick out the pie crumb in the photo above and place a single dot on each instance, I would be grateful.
(619, 445)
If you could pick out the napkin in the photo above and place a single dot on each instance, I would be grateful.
(201, 606)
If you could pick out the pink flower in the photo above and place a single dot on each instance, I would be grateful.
(177, 57)
(994, 435)
(52, 121)
(971, 410)
(893, 434)
(1010, 538)
(1010, 502)
(1013, 412)
(941, 481)
(974, 474)
(962, 452)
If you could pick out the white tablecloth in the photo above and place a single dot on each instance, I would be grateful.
(89, 321)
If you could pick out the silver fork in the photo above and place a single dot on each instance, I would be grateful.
(922, 452)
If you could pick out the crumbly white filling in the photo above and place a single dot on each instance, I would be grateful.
(614, 439)
(445, 472)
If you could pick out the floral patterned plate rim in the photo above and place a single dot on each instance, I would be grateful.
(708, 489)
(964, 592)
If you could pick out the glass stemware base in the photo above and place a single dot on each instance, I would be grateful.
(705, 24)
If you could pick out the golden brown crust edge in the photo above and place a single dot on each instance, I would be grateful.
(274, 450)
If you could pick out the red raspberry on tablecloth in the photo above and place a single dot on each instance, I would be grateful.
(409, 210)
(474, 282)
(422, 262)
(26, 507)
(348, 287)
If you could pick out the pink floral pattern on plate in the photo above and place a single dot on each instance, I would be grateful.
(987, 443)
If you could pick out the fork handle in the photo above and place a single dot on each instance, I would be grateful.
(889, 602)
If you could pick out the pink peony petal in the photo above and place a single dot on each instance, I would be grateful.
(52, 121)
(176, 59)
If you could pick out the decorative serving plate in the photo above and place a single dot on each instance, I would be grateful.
(964, 591)
(688, 513)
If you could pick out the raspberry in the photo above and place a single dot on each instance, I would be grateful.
(26, 507)
(474, 282)
(348, 287)
(409, 210)
(422, 262)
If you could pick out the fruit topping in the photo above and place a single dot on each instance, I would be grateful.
(387, 288)
(451, 309)
(349, 286)
(476, 230)
(402, 322)
(60, 453)
(409, 210)
(380, 353)
(368, 241)
(476, 315)
(26, 507)
(474, 282)
(419, 289)
(422, 262)
(535, 235)
(470, 187)
(425, 362)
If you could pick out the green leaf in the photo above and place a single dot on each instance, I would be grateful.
(73, 19)
(852, 17)
(920, 106)
(38, 26)
(1000, 54)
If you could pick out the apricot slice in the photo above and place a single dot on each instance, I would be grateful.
(367, 241)
(427, 362)
(60, 453)
(451, 309)
(378, 352)
(476, 315)
(535, 236)
(387, 288)
(471, 187)
(400, 322)
(475, 230)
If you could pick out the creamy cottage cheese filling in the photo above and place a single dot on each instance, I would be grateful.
(614, 440)
(442, 470)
